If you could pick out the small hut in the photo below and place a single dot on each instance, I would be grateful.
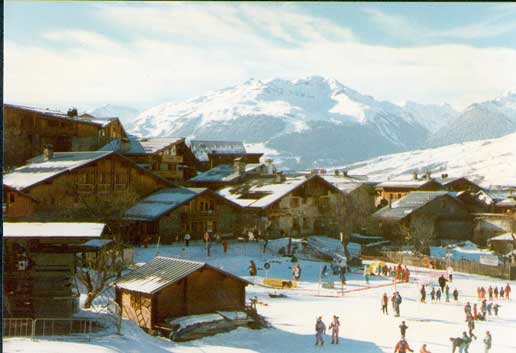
(167, 288)
(503, 244)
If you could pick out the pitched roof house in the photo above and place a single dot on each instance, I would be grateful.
(210, 154)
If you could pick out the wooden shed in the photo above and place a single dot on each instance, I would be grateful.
(503, 244)
(170, 287)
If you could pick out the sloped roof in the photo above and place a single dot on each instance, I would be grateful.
(60, 115)
(408, 204)
(53, 229)
(344, 184)
(201, 148)
(503, 237)
(141, 146)
(39, 169)
(268, 190)
(162, 272)
(507, 203)
(223, 173)
(409, 184)
(161, 202)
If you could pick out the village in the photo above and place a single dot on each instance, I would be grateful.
(191, 239)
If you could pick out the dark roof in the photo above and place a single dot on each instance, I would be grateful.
(408, 204)
(162, 272)
(141, 146)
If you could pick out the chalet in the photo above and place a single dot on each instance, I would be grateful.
(457, 184)
(210, 154)
(392, 190)
(503, 243)
(39, 267)
(28, 130)
(168, 157)
(172, 212)
(167, 288)
(473, 204)
(500, 201)
(302, 205)
(230, 174)
(424, 216)
(489, 225)
(16, 204)
(64, 181)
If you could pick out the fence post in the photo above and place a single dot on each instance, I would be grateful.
(33, 333)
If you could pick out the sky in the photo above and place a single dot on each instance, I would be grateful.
(140, 54)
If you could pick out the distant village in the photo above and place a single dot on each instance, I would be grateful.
(80, 184)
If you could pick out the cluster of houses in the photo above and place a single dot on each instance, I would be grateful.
(81, 170)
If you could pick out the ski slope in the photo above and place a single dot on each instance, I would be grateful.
(363, 327)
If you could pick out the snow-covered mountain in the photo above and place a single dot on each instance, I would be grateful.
(490, 119)
(488, 162)
(126, 114)
(431, 116)
(308, 122)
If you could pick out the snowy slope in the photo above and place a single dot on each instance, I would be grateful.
(490, 119)
(489, 162)
(431, 116)
(309, 122)
(126, 114)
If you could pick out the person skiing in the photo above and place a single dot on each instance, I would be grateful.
(495, 292)
(296, 272)
(423, 294)
(490, 308)
(423, 349)
(385, 301)
(393, 302)
(455, 294)
(495, 308)
(342, 275)
(502, 292)
(475, 312)
(438, 294)
(488, 341)
(320, 330)
(479, 293)
(483, 307)
(471, 327)
(403, 329)
(467, 341)
(187, 238)
(442, 282)
(457, 342)
(252, 268)
(398, 303)
(490, 292)
(225, 246)
(432, 294)
(467, 309)
(507, 291)
(402, 346)
(447, 291)
(334, 327)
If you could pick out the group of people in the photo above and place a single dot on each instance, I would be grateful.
(485, 309)
(436, 295)
(398, 272)
(463, 342)
(395, 302)
(320, 331)
(495, 293)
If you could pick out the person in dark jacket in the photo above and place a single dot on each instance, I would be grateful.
(447, 291)
(423, 294)
(471, 327)
(467, 341)
(455, 294)
(438, 294)
(432, 294)
(457, 342)
(488, 341)
(385, 302)
(403, 329)
(398, 303)
(252, 268)
(495, 309)
(442, 282)
(320, 330)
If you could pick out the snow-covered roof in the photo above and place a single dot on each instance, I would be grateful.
(141, 146)
(262, 193)
(509, 202)
(53, 229)
(344, 184)
(408, 204)
(40, 169)
(224, 173)
(504, 237)
(409, 184)
(161, 202)
(201, 148)
(60, 115)
(162, 272)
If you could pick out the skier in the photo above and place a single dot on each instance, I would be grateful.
(502, 292)
(265, 243)
(225, 246)
(320, 330)
(495, 309)
(455, 294)
(393, 302)
(432, 294)
(252, 268)
(334, 327)
(495, 292)
(403, 329)
(296, 272)
(479, 293)
(438, 294)
(489, 308)
(475, 312)
(483, 308)
(447, 291)
(488, 341)
(457, 342)
(423, 294)
(402, 347)
(507, 291)
(467, 341)
(471, 327)
(423, 349)
(187, 238)
(442, 282)
(490, 292)
(343, 275)
(467, 309)
(398, 303)
(385, 301)
(366, 276)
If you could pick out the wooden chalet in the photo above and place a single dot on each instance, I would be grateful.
(210, 154)
(170, 213)
(168, 157)
(392, 190)
(499, 201)
(63, 181)
(39, 267)
(16, 204)
(457, 184)
(303, 205)
(503, 243)
(167, 288)
(28, 130)
(424, 216)
(489, 225)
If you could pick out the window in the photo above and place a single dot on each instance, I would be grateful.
(206, 205)
(102, 132)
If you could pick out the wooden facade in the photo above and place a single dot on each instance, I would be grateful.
(215, 159)
(16, 204)
(28, 130)
(392, 192)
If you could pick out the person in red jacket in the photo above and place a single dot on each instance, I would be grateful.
(507, 291)
(402, 347)
(385, 301)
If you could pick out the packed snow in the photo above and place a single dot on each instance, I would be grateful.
(363, 327)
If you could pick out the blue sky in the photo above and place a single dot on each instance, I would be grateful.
(142, 54)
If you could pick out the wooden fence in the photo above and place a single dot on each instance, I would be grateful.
(505, 271)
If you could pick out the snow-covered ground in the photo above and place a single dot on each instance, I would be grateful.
(463, 251)
(363, 327)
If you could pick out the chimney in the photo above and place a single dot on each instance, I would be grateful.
(125, 145)
(48, 152)
(269, 166)
(239, 166)
(444, 176)
(414, 175)
(72, 113)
